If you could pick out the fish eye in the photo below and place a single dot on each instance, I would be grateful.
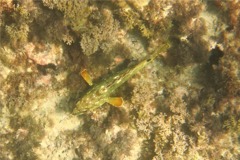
(102, 89)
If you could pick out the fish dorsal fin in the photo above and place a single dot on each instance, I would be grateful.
(84, 73)
(115, 101)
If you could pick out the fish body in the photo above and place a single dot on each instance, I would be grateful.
(100, 93)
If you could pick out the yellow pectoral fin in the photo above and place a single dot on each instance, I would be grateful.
(115, 101)
(86, 77)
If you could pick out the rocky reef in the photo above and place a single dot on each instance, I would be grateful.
(184, 105)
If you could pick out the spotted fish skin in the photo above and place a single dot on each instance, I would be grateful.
(100, 93)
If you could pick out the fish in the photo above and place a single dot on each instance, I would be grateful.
(100, 93)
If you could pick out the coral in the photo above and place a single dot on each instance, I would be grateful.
(17, 27)
(68, 39)
(112, 141)
(75, 12)
(28, 134)
(188, 30)
(18, 34)
(5, 6)
(232, 124)
(145, 18)
(50, 55)
(101, 36)
(184, 105)
(21, 132)
(130, 18)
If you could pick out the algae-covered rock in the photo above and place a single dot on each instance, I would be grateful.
(183, 105)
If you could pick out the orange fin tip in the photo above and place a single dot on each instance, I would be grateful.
(115, 101)
(86, 77)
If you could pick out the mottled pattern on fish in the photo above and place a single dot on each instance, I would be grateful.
(100, 93)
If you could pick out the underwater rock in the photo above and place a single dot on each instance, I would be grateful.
(183, 105)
